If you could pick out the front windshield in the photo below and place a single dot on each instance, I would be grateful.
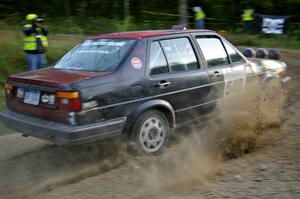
(96, 55)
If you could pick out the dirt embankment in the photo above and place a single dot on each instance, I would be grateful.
(195, 165)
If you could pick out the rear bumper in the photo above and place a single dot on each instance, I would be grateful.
(61, 133)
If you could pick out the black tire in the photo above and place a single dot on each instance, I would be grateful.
(274, 54)
(150, 133)
(262, 53)
(249, 52)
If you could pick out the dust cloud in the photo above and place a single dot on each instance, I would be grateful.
(234, 130)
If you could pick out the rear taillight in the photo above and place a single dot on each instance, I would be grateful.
(68, 101)
(8, 89)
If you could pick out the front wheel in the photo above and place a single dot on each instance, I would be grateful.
(151, 132)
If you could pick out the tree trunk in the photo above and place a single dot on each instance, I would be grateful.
(126, 9)
(183, 11)
(67, 8)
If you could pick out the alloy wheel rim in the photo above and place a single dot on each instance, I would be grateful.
(152, 134)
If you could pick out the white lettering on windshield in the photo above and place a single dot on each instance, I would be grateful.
(92, 51)
(103, 43)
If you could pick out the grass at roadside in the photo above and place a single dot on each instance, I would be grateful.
(278, 42)
(2, 100)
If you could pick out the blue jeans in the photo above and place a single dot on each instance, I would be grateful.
(248, 27)
(35, 61)
(199, 24)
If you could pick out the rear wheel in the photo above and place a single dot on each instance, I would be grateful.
(151, 132)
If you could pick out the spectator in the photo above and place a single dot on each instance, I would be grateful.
(199, 18)
(248, 18)
(35, 42)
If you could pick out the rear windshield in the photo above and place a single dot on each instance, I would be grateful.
(96, 55)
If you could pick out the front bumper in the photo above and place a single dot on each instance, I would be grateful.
(285, 79)
(61, 133)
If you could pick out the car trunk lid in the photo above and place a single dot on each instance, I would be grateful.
(54, 78)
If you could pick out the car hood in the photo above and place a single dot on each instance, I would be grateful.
(55, 78)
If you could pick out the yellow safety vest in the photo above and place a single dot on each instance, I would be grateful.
(200, 15)
(30, 42)
(248, 15)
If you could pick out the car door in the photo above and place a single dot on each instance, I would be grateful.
(217, 64)
(175, 75)
(237, 79)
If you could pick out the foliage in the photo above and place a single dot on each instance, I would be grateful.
(97, 16)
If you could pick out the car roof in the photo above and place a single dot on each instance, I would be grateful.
(147, 33)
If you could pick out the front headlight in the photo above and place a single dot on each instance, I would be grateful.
(273, 64)
(280, 72)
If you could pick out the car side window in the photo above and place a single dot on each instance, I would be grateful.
(180, 55)
(233, 54)
(158, 64)
(213, 51)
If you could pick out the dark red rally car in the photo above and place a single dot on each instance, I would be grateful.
(139, 84)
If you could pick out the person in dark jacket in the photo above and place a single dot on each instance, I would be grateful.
(35, 42)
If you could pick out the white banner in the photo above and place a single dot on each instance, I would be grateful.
(271, 24)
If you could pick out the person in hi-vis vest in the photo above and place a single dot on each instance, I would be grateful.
(248, 18)
(199, 18)
(35, 42)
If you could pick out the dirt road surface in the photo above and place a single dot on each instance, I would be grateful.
(31, 168)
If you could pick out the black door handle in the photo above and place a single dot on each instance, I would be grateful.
(163, 84)
(217, 74)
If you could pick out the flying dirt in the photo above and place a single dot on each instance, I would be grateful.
(253, 135)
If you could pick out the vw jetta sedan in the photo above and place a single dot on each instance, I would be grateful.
(139, 85)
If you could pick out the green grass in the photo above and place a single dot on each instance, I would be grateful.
(278, 42)
(2, 100)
